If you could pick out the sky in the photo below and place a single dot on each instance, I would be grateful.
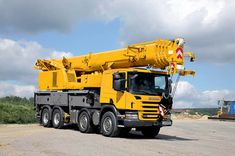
(31, 29)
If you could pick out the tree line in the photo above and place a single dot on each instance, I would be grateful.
(14, 109)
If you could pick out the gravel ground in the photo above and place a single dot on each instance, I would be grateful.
(185, 137)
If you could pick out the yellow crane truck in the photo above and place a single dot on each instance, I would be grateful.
(112, 91)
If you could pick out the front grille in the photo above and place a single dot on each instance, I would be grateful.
(149, 102)
(150, 110)
(153, 107)
(149, 115)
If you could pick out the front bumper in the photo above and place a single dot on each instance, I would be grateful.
(142, 123)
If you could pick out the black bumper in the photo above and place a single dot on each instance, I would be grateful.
(141, 123)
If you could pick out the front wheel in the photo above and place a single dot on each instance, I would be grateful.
(150, 132)
(109, 125)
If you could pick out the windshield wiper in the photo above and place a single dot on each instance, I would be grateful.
(147, 92)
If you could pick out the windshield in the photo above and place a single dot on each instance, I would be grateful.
(146, 83)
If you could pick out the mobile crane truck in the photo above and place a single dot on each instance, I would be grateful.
(112, 91)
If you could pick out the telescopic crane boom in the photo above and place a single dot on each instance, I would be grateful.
(157, 54)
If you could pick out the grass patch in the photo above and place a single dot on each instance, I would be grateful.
(16, 110)
(204, 111)
(198, 111)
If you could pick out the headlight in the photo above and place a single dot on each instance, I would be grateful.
(131, 115)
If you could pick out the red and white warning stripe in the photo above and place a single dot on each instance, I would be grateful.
(172, 65)
(179, 53)
(161, 109)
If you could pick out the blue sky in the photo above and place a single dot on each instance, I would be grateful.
(94, 26)
(82, 38)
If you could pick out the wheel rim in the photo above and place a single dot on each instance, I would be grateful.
(83, 121)
(45, 117)
(56, 119)
(107, 124)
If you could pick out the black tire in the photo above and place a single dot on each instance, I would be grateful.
(150, 132)
(124, 131)
(109, 125)
(84, 123)
(57, 119)
(45, 118)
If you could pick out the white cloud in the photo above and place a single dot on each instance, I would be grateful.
(207, 25)
(17, 58)
(57, 54)
(10, 89)
(27, 16)
(187, 96)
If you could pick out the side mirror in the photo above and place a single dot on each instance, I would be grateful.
(119, 81)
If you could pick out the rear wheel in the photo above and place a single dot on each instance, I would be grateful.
(150, 132)
(84, 123)
(57, 119)
(109, 125)
(45, 118)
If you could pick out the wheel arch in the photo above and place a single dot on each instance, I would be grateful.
(58, 107)
(108, 107)
(84, 109)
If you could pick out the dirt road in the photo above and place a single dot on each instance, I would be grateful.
(185, 137)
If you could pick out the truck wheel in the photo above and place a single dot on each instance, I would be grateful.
(46, 118)
(84, 123)
(57, 119)
(150, 132)
(109, 125)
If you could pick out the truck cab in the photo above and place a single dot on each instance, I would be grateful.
(141, 98)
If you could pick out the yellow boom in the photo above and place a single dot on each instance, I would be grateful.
(158, 54)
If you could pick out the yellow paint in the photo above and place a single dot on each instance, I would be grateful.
(95, 70)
